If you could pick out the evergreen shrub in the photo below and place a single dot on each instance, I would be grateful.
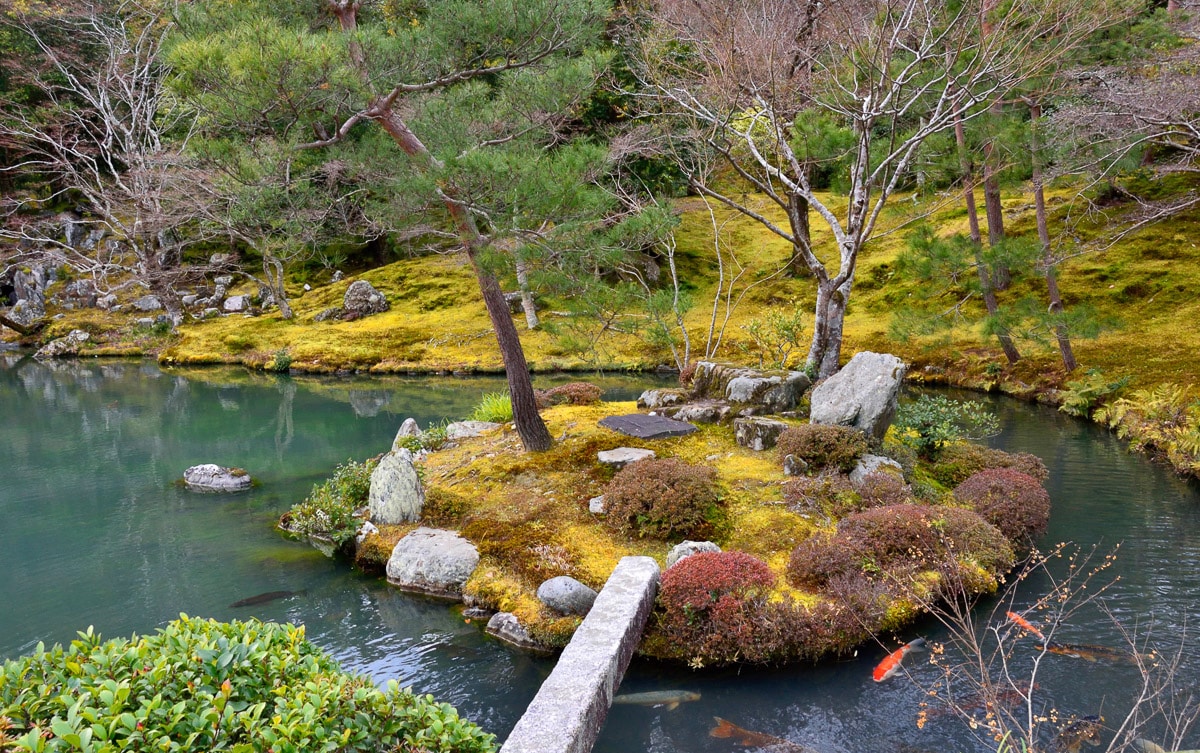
(823, 445)
(1012, 501)
(660, 498)
(328, 511)
(203, 685)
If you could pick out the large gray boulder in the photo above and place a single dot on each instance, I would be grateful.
(772, 391)
(396, 494)
(863, 394)
(432, 561)
(63, 346)
(148, 303)
(467, 429)
(236, 304)
(566, 595)
(26, 311)
(362, 299)
(210, 477)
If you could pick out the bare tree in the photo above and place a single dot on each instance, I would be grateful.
(108, 133)
(879, 77)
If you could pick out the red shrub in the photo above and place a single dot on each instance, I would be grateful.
(687, 374)
(660, 498)
(1012, 501)
(571, 393)
(823, 557)
(880, 489)
(823, 445)
(958, 462)
(711, 603)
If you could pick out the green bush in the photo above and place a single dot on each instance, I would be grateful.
(1083, 395)
(203, 685)
(931, 423)
(329, 510)
(661, 498)
(823, 445)
(958, 462)
(432, 439)
(281, 362)
(494, 407)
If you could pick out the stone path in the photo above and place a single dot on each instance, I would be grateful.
(644, 426)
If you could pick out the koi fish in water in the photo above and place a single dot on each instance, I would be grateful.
(891, 664)
(1090, 652)
(750, 739)
(1025, 624)
(669, 698)
(1083, 730)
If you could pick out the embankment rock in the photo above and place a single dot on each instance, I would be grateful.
(863, 394)
(432, 561)
(757, 433)
(396, 494)
(566, 595)
(686, 549)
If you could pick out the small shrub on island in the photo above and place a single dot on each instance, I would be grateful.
(1012, 501)
(206, 685)
(710, 601)
(571, 393)
(828, 493)
(823, 446)
(661, 498)
(328, 512)
(958, 462)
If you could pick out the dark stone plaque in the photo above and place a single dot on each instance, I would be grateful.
(643, 426)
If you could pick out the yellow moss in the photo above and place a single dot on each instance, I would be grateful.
(373, 553)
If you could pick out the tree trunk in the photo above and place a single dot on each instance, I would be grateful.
(530, 427)
(801, 232)
(985, 278)
(824, 354)
(527, 304)
(273, 271)
(1039, 196)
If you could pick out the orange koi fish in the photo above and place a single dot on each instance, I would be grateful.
(1025, 624)
(750, 739)
(891, 665)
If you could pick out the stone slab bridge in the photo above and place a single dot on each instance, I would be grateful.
(568, 711)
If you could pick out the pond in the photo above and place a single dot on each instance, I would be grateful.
(98, 532)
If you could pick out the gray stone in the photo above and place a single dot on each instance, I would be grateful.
(775, 391)
(432, 561)
(863, 394)
(338, 276)
(686, 549)
(757, 433)
(92, 239)
(223, 281)
(506, 627)
(148, 303)
(794, 466)
(334, 312)
(222, 260)
(868, 464)
(466, 429)
(566, 595)
(647, 427)
(236, 303)
(408, 428)
(78, 294)
(63, 346)
(396, 494)
(210, 313)
(25, 312)
(362, 299)
(106, 302)
(701, 412)
(623, 456)
(366, 529)
(211, 477)
(73, 229)
(568, 711)
(654, 399)
(596, 505)
(189, 300)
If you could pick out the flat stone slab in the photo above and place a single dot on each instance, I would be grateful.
(568, 711)
(644, 426)
(623, 456)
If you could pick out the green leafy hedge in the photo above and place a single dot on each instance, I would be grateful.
(202, 685)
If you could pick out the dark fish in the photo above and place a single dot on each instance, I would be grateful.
(1085, 729)
(669, 698)
(263, 598)
(1088, 652)
(981, 704)
(749, 739)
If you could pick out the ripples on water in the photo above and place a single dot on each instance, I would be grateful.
(96, 532)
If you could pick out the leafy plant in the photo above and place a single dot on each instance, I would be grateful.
(776, 336)
(1164, 420)
(432, 439)
(281, 362)
(930, 423)
(328, 511)
(207, 685)
(494, 407)
(1082, 395)
(959, 461)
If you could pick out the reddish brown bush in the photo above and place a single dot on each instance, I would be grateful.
(822, 558)
(823, 446)
(686, 374)
(571, 393)
(880, 488)
(830, 494)
(958, 462)
(1012, 501)
(661, 498)
(711, 603)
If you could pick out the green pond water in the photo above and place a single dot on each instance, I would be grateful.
(97, 531)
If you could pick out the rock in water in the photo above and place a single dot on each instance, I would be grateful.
(396, 494)
(566, 595)
(432, 561)
(216, 478)
(863, 394)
